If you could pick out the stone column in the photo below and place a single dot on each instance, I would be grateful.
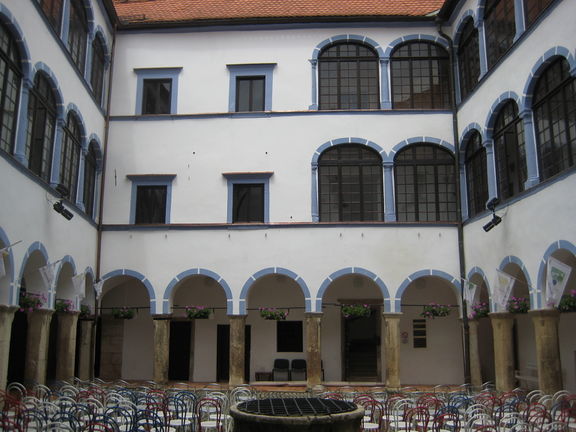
(161, 347)
(502, 323)
(237, 347)
(85, 364)
(391, 348)
(475, 369)
(6, 318)
(37, 346)
(313, 349)
(66, 345)
(547, 349)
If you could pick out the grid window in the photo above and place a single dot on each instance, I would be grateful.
(98, 68)
(476, 175)
(425, 184)
(248, 202)
(10, 79)
(53, 11)
(41, 127)
(468, 58)
(420, 76)
(555, 119)
(250, 93)
(348, 77)
(350, 184)
(78, 33)
(90, 172)
(419, 333)
(500, 28)
(70, 157)
(156, 98)
(509, 151)
(289, 336)
(533, 9)
(150, 204)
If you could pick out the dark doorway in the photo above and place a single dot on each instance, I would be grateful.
(223, 353)
(98, 347)
(179, 355)
(361, 347)
(52, 350)
(18, 338)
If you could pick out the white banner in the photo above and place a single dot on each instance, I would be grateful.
(79, 282)
(98, 288)
(469, 291)
(48, 272)
(503, 289)
(557, 274)
(3, 252)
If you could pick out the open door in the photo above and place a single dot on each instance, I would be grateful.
(362, 347)
(223, 353)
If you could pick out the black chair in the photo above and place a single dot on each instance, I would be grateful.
(298, 370)
(281, 371)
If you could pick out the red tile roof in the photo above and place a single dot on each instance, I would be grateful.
(198, 11)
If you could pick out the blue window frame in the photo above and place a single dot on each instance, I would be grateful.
(155, 190)
(157, 75)
(248, 197)
(239, 75)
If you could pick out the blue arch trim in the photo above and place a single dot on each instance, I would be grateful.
(419, 140)
(274, 270)
(354, 270)
(10, 22)
(166, 306)
(41, 67)
(350, 38)
(478, 271)
(415, 37)
(534, 292)
(99, 150)
(141, 278)
(543, 62)
(460, 25)
(502, 99)
(10, 268)
(67, 259)
(468, 130)
(455, 282)
(557, 245)
(75, 111)
(34, 247)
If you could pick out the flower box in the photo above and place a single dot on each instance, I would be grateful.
(30, 302)
(197, 312)
(518, 305)
(85, 312)
(568, 302)
(123, 313)
(433, 310)
(273, 314)
(64, 305)
(479, 310)
(351, 311)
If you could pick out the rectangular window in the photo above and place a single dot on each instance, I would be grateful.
(248, 202)
(150, 205)
(419, 333)
(156, 97)
(250, 93)
(289, 336)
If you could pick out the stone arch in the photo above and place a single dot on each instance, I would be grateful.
(419, 140)
(41, 67)
(10, 22)
(495, 108)
(532, 291)
(64, 262)
(347, 38)
(560, 245)
(454, 282)
(35, 248)
(415, 37)
(140, 277)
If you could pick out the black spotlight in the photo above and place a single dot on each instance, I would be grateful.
(491, 205)
(59, 208)
(495, 221)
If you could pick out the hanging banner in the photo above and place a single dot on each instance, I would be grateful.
(3, 252)
(98, 288)
(79, 282)
(503, 289)
(557, 274)
(469, 291)
(48, 272)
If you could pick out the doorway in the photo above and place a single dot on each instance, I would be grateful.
(223, 353)
(362, 347)
(180, 351)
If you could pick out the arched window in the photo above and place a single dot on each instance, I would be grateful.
(420, 76)
(78, 33)
(425, 184)
(70, 157)
(468, 58)
(10, 80)
(509, 151)
(350, 184)
(90, 172)
(98, 68)
(500, 28)
(53, 11)
(533, 9)
(476, 174)
(348, 77)
(41, 127)
(555, 119)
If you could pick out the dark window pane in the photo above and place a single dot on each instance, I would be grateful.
(533, 9)
(500, 28)
(468, 58)
(157, 95)
(53, 11)
(150, 205)
(289, 336)
(250, 93)
(248, 202)
(90, 170)
(10, 79)
(78, 33)
(70, 156)
(476, 175)
(98, 68)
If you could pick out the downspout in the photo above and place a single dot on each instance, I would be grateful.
(101, 201)
(460, 226)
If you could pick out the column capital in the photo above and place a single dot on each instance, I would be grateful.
(8, 309)
(501, 315)
(162, 317)
(545, 313)
(392, 315)
(313, 314)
